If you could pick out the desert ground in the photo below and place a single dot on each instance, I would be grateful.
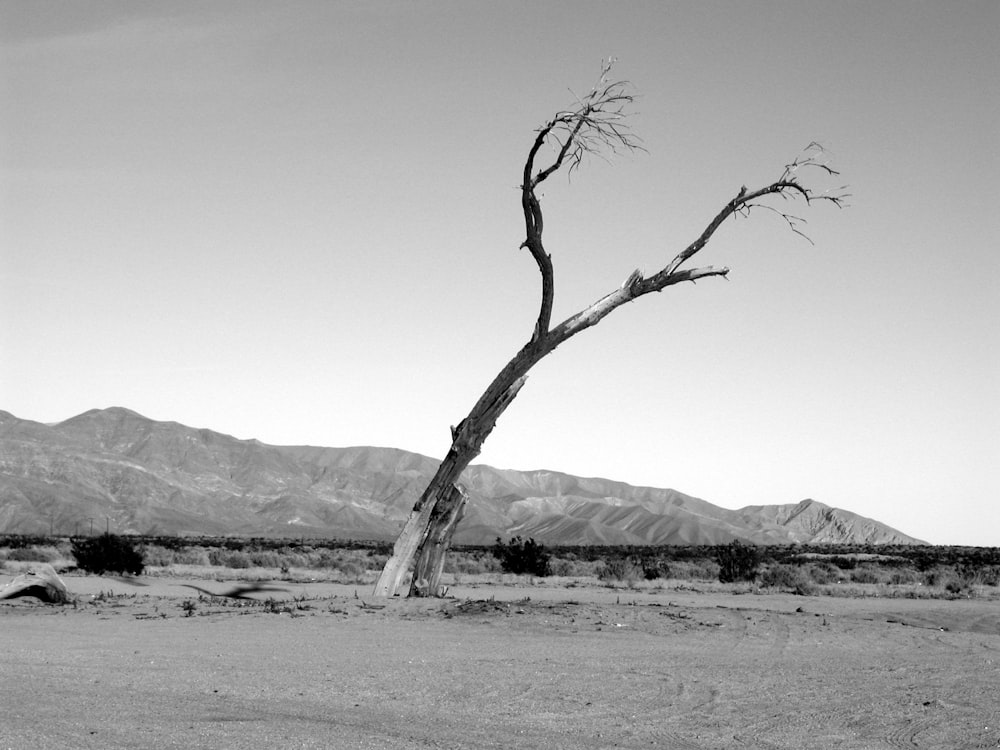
(153, 663)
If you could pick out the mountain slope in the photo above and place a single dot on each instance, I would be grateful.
(116, 468)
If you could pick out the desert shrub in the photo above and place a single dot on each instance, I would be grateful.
(903, 577)
(619, 569)
(935, 576)
(350, 569)
(805, 587)
(822, 573)
(792, 578)
(956, 586)
(975, 575)
(694, 570)
(865, 574)
(470, 563)
(237, 560)
(229, 559)
(738, 562)
(64, 548)
(522, 556)
(284, 558)
(573, 568)
(991, 575)
(192, 556)
(654, 567)
(264, 559)
(351, 563)
(216, 556)
(779, 576)
(34, 554)
(325, 558)
(946, 577)
(157, 556)
(108, 553)
(377, 560)
(562, 568)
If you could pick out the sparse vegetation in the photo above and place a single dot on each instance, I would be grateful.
(832, 570)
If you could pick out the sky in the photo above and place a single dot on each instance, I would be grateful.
(300, 222)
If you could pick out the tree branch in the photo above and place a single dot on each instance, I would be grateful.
(787, 186)
(596, 124)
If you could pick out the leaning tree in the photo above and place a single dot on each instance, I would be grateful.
(596, 125)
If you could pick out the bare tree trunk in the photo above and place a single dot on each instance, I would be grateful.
(467, 441)
(430, 557)
(418, 523)
(595, 125)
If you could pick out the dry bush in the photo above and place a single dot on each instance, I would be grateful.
(869, 574)
(229, 559)
(621, 570)
(157, 556)
(904, 577)
(265, 558)
(694, 570)
(654, 568)
(952, 580)
(35, 553)
(473, 562)
(738, 562)
(343, 565)
(163, 557)
(574, 568)
(823, 573)
(991, 575)
(108, 553)
(792, 578)
(289, 558)
(351, 570)
(324, 558)
(978, 576)
(192, 556)
(376, 559)
(522, 556)
(937, 576)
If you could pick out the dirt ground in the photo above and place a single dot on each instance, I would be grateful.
(327, 666)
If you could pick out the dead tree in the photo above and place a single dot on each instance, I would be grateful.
(596, 125)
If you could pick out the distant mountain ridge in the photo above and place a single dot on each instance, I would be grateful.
(115, 467)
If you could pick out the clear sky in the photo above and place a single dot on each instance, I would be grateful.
(299, 222)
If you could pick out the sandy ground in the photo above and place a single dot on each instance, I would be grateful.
(327, 666)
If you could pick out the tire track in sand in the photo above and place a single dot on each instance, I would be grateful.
(905, 735)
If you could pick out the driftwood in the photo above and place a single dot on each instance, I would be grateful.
(42, 582)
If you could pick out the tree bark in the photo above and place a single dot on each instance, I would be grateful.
(467, 441)
(430, 557)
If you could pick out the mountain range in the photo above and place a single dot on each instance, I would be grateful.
(115, 469)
